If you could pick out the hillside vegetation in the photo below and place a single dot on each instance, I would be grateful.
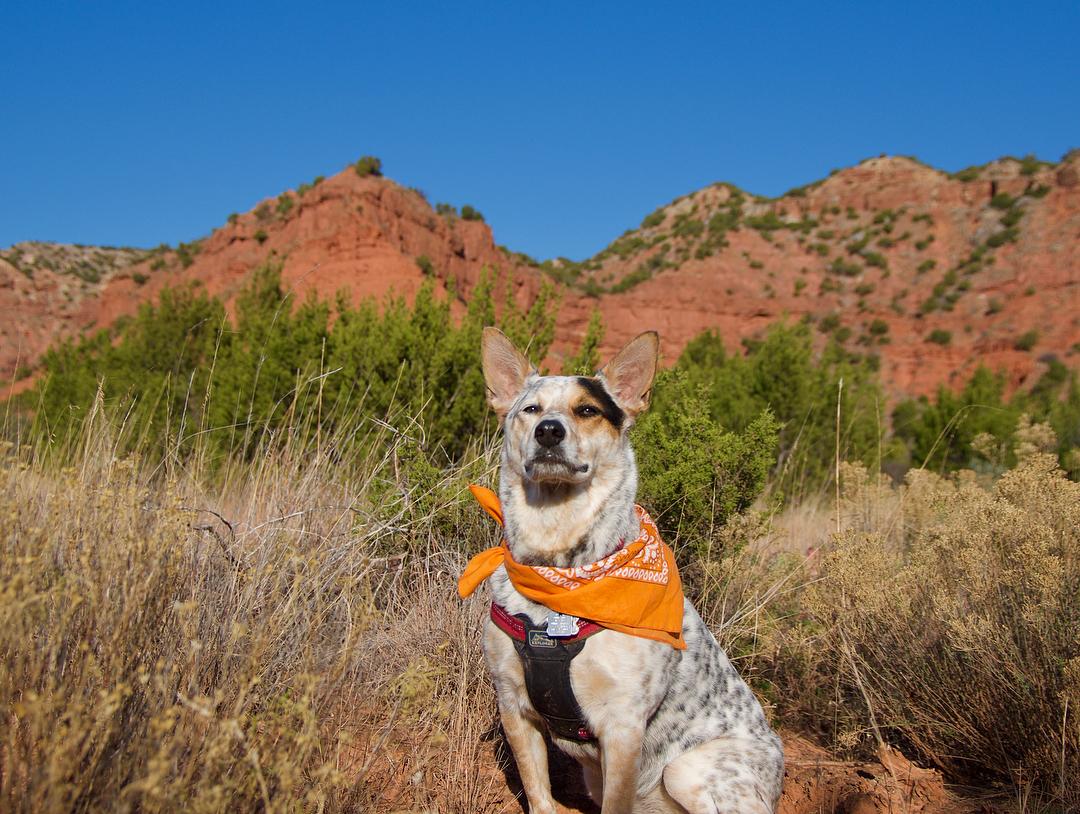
(920, 274)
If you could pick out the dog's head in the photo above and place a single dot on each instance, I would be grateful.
(563, 429)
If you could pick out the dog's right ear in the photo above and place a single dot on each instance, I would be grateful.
(505, 370)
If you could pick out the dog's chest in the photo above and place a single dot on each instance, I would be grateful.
(615, 677)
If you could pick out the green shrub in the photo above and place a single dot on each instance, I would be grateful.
(653, 219)
(925, 266)
(829, 323)
(878, 327)
(1027, 340)
(782, 373)
(586, 362)
(1002, 200)
(139, 278)
(875, 259)
(644, 271)
(941, 432)
(368, 165)
(260, 236)
(446, 210)
(1029, 165)
(285, 203)
(687, 227)
(695, 473)
(186, 252)
(939, 336)
(997, 239)
(845, 269)
(268, 360)
(427, 268)
(470, 213)
(1012, 217)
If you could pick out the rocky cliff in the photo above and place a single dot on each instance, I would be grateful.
(930, 273)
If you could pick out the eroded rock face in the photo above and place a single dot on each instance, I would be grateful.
(893, 293)
(891, 249)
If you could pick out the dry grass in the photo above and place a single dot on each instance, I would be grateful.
(175, 642)
(284, 634)
(946, 617)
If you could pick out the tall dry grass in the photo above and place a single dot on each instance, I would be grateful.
(274, 635)
(945, 617)
(283, 633)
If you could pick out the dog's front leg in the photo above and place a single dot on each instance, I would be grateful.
(530, 753)
(620, 751)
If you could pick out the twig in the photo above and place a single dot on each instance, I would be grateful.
(839, 395)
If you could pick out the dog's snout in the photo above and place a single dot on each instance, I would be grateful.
(550, 433)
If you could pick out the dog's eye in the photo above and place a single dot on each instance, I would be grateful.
(531, 408)
(587, 411)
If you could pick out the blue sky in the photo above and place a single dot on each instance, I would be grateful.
(564, 123)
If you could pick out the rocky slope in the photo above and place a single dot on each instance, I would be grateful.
(931, 273)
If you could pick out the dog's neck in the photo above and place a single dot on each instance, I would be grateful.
(566, 525)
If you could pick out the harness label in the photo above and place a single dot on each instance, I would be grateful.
(537, 638)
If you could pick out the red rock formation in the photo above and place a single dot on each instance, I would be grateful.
(364, 235)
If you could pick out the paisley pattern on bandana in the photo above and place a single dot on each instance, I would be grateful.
(643, 560)
(634, 590)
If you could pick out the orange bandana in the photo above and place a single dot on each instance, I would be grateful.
(635, 590)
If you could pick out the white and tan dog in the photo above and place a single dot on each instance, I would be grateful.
(670, 730)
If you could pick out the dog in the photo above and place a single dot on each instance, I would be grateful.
(666, 726)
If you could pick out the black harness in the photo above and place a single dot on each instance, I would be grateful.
(546, 663)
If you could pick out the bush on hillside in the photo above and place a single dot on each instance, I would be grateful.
(368, 165)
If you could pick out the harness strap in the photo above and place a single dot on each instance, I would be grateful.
(546, 663)
(514, 627)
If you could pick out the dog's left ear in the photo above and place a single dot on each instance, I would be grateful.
(505, 370)
(629, 376)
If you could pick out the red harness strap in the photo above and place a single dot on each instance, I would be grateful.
(515, 628)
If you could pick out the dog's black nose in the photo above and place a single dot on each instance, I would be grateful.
(549, 433)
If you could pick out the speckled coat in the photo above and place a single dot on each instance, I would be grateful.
(676, 731)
